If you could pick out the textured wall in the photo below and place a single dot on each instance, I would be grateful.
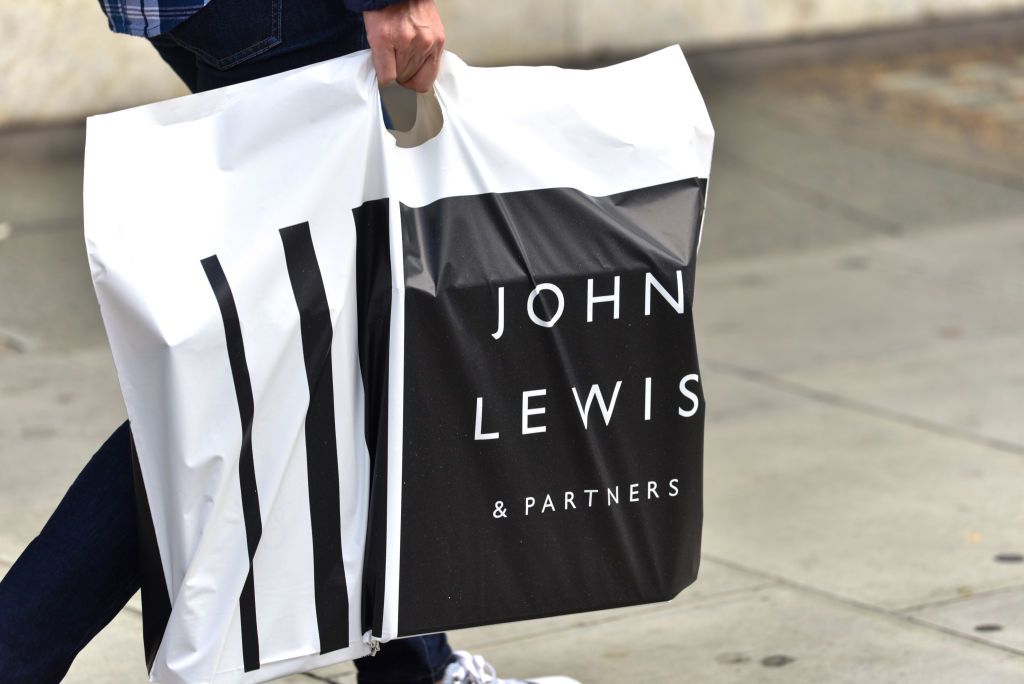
(58, 61)
(545, 29)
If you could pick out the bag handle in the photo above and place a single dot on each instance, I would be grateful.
(433, 108)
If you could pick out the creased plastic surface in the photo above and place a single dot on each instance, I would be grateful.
(303, 317)
(221, 174)
(546, 440)
(543, 452)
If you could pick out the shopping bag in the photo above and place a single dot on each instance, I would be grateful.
(380, 388)
(536, 417)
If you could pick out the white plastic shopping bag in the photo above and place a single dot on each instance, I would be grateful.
(379, 390)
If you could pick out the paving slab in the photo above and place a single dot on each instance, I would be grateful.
(997, 618)
(714, 580)
(969, 387)
(772, 634)
(872, 510)
(879, 297)
(954, 378)
(48, 295)
(115, 656)
(729, 398)
(879, 184)
(41, 176)
(55, 410)
(748, 216)
(820, 117)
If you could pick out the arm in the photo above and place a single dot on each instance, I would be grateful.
(406, 38)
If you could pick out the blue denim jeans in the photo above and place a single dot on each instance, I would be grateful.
(83, 567)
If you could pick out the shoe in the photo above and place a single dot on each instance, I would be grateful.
(473, 669)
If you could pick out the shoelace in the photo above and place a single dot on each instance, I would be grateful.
(470, 669)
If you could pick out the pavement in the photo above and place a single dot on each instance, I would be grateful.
(859, 303)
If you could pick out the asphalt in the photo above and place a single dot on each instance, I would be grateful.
(859, 309)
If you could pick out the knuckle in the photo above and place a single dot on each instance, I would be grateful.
(381, 38)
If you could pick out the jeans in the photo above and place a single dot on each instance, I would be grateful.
(83, 567)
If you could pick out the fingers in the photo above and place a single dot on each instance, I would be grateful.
(418, 63)
(418, 55)
(423, 80)
(410, 59)
(407, 41)
(385, 63)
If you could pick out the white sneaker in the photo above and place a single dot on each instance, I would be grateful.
(473, 669)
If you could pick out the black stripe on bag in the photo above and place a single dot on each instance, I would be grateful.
(331, 589)
(246, 465)
(156, 600)
(373, 298)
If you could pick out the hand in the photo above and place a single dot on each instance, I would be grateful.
(407, 41)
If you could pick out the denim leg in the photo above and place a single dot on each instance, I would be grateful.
(76, 575)
(181, 61)
(415, 660)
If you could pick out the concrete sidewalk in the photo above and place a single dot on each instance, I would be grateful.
(860, 308)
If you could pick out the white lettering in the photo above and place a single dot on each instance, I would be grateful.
(647, 398)
(652, 489)
(590, 496)
(548, 503)
(591, 299)
(678, 302)
(673, 489)
(558, 312)
(569, 500)
(480, 434)
(606, 409)
(530, 503)
(501, 313)
(689, 395)
(527, 412)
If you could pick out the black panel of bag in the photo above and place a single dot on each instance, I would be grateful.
(498, 525)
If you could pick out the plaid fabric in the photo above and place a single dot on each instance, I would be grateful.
(153, 17)
(148, 17)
